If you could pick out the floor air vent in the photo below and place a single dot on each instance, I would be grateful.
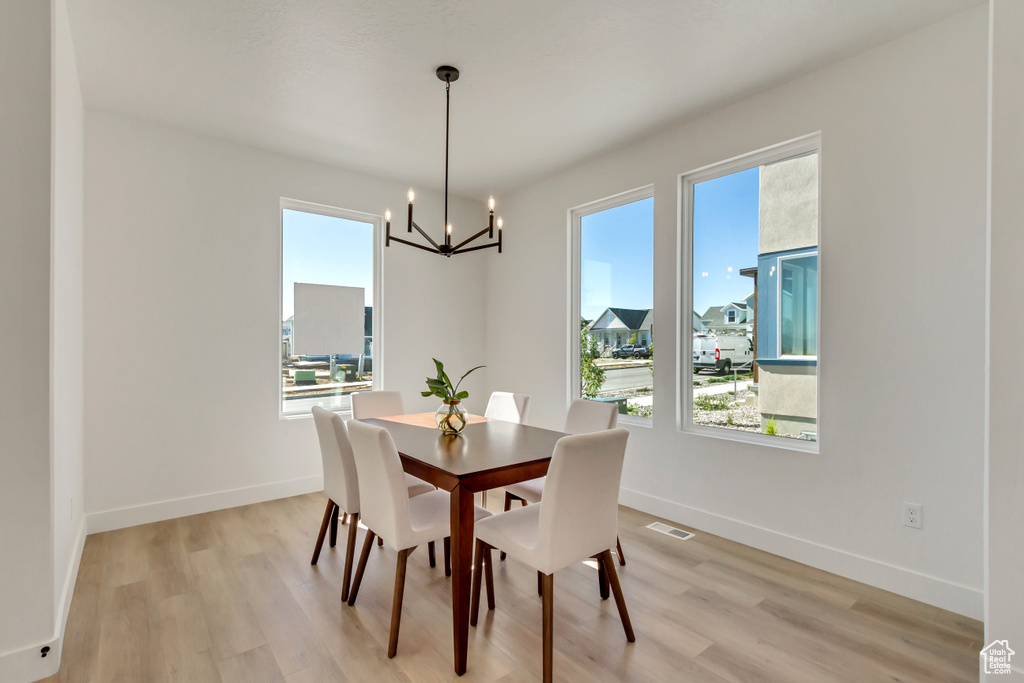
(670, 530)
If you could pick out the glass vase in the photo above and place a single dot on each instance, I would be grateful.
(451, 417)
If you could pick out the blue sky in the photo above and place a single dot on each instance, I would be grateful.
(617, 258)
(325, 250)
(724, 236)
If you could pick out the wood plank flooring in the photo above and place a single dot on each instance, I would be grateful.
(230, 596)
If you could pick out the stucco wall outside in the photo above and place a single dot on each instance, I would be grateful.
(788, 213)
(788, 391)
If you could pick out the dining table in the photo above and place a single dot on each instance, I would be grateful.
(487, 454)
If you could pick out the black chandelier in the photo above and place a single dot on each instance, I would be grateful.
(446, 74)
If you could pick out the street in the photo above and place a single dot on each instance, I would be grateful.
(617, 379)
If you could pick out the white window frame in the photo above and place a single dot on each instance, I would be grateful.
(778, 298)
(575, 217)
(377, 345)
(684, 286)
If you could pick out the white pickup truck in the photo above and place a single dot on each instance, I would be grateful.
(722, 352)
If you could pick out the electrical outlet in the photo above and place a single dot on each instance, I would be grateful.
(912, 513)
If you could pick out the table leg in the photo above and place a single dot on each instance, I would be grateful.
(462, 564)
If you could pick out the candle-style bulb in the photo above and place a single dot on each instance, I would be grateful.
(412, 195)
(490, 203)
(449, 228)
(387, 215)
(499, 222)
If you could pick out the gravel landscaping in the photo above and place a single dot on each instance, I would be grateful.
(744, 418)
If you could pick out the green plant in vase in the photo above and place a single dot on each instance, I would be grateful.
(451, 416)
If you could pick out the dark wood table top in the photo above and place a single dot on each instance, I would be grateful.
(487, 453)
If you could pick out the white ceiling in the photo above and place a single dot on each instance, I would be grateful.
(545, 83)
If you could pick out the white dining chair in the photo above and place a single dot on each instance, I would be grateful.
(576, 520)
(584, 417)
(508, 407)
(403, 522)
(367, 404)
(504, 405)
(341, 486)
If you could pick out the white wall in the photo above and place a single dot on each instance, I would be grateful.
(182, 331)
(66, 379)
(902, 248)
(26, 563)
(38, 331)
(1004, 609)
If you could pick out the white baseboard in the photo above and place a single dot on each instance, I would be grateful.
(108, 520)
(959, 598)
(28, 664)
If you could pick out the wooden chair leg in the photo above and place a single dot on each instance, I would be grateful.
(447, 555)
(548, 581)
(344, 518)
(602, 577)
(350, 551)
(323, 531)
(489, 576)
(367, 544)
(618, 551)
(396, 606)
(474, 602)
(380, 542)
(481, 565)
(430, 554)
(620, 601)
(334, 526)
(508, 506)
(540, 584)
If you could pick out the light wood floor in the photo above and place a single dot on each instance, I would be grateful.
(231, 596)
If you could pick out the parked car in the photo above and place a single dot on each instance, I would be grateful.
(632, 351)
(722, 352)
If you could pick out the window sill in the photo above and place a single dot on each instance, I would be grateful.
(635, 421)
(780, 442)
(345, 414)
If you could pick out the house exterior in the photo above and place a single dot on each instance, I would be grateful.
(286, 337)
(614, 327)
(787, 295)
(736, 317)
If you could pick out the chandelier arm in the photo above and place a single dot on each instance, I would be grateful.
(413, 244)
(467, 241)
(420, 231)
(476, 248)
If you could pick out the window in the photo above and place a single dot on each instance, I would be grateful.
(798, 312)
(750, 286)
(330, 293)
(611, 348)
